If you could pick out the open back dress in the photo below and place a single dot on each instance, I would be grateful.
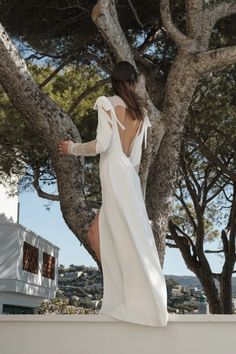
(134, 287)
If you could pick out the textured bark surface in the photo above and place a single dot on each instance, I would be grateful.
(51, 124)
(160, 159)
(193, 59)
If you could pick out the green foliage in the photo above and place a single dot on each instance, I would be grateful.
(22, 151)
(213, 110)
(60, 307)
(212, 119)
(67, 85)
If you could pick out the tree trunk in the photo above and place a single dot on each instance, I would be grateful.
(51, 124)
(181, 84)
(210, 289)
(230, 258)
(226, 287)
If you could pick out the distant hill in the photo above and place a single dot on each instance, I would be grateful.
(87, 283)
(81, 288)
(192, 281)
(185, 280)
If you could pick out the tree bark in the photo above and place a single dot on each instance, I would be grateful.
(52, 124)
(230, 259)
(193, 60)
(202, 271)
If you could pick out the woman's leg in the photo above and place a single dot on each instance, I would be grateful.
(93, 236)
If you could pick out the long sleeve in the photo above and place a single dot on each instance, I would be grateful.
(104, 134)
(90, 148)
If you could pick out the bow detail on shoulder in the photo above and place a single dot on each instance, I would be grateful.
(104, 102)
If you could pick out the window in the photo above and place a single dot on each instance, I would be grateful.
(30, 258)
(13, 309)
(48, 266)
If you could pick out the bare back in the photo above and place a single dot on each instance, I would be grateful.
(132, 127)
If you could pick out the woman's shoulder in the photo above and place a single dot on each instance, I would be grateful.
(116, 101)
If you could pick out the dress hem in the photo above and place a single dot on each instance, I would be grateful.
(121, 318)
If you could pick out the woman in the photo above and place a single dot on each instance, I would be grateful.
(134, 287)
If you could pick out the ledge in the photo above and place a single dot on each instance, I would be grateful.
(99, 334)
(103, 318)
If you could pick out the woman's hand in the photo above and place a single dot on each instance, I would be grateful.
(63, 147)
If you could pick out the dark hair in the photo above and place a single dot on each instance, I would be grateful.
(124, 74)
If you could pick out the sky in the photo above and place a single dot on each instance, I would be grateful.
(51, 225)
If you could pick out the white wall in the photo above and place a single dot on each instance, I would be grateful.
(98, 334)
(13, 278)
(8, 205)
(18, 299)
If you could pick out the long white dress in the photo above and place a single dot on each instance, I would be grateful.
(134, 287)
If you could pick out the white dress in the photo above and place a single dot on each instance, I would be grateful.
(134, 287)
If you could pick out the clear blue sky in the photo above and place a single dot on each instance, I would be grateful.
(51, 226)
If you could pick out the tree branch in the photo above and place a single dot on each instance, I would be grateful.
(218, 191)
(184, 247)
(135, 14)
(212, 251)
(77, 6)
(215, 59)
(188, 212)
(54, 73)
(90, 204)
(194, 17)
(171, 245)
(179, 38)
(104, 15)
(40, 192)
(99, 62)
(225, 241)
(86, 93)
(208, 186)
(210, 17)
(232, 232)
(214, 158)
(222, 10)
(187, 237)
(189, 185)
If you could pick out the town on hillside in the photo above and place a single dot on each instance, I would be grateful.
(80, 288)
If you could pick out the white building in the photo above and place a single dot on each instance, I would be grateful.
(8, 205)
(28, 264)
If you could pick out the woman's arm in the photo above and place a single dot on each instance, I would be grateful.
(104, 133)
(90, 148)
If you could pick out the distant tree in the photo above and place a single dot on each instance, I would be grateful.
(5, 219)
(61, 306)
(205, 207)
(170, 283)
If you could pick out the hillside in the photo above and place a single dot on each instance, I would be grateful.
(80, 290)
